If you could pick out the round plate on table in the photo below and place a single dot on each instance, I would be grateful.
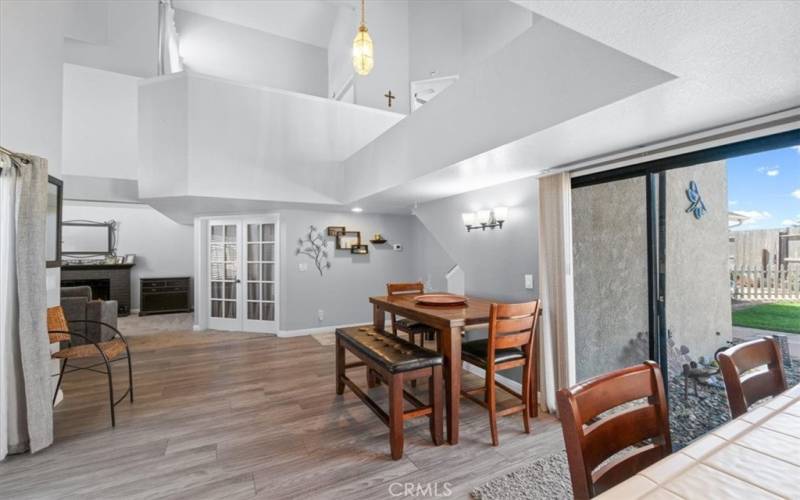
(440, 299)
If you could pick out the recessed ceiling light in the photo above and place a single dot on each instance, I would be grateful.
(357, 209)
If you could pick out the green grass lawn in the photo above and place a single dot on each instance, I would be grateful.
(780, 317)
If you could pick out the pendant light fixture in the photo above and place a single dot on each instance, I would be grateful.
(362, 48)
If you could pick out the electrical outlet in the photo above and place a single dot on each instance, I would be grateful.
(397, 247)
(321, 314)
(303, 267)
(529, 281)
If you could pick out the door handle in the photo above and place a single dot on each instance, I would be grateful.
(238, 281)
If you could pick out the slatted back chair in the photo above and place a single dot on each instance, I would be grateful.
(108, 351)
(511, 342)
(411, 327)
(592, 438)
(745, 389)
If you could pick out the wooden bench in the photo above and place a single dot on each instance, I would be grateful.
(394, 360)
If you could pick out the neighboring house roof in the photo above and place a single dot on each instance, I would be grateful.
(736, 220)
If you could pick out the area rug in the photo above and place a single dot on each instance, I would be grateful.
(546, 477)
(327, 338)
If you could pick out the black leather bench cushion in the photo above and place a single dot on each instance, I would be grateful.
(392, 353)
(411, 325)
(475, 352)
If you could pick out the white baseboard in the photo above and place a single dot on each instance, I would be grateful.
(311, 331)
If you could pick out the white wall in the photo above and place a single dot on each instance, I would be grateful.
(340, 49)
(388, 26)
(163, 247)
(130, 44)
(246, 55)
(204, 136)
(344, 289)
(100, 123)
(30, 88)
(494, 262)
(446, 37)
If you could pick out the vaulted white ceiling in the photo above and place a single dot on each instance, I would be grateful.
(726, 61)
(732, 61)
(308, 21)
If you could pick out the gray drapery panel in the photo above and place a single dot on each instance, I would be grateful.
(30, 411)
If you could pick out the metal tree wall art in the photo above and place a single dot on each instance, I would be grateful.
(314, 245)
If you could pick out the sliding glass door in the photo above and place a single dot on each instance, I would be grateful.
(609, 237)
(677, 259)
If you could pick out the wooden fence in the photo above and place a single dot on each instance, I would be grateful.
(772, 283)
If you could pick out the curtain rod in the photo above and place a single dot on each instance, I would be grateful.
(15, 155)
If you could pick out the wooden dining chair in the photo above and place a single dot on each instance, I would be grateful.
(744, 384)
(512, 330)
(592, 438)
(411, 327)
(109, 351)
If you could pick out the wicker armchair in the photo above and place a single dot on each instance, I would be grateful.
(110, 351)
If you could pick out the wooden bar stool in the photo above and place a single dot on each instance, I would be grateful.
(512, 332)
(590, 441)
(745, 389)
(394, 360)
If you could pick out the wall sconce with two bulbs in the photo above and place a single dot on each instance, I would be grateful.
(483, 219)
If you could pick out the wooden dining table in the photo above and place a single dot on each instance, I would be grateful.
(449, 321)
(754, 456)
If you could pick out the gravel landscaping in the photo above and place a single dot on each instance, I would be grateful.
(694, 416)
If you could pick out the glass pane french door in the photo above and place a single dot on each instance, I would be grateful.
(243, 274)
(261, 276)
(223, 276)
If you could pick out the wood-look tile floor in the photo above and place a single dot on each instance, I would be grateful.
(234, 415)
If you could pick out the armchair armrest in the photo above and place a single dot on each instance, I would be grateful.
(104, 311)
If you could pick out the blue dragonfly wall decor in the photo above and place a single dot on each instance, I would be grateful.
(696, 207)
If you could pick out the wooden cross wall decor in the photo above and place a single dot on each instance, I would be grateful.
(389, 97)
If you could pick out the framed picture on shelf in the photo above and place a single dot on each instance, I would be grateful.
(359, 249)
(334, 230)
(345, 240)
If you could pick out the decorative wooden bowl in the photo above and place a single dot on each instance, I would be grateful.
(440, 299)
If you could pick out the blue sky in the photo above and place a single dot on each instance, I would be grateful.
(766, 187)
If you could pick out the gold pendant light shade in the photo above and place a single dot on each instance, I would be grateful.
(362, 48)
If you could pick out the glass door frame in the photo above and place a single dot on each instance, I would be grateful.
(260, 325)
(202, 266)
(653, 171)
(224, 322)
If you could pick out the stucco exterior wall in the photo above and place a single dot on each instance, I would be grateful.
(698, 304)
(610, 259)
(609, 234)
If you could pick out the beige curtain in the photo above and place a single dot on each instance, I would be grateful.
(26, 412)
(555, 269)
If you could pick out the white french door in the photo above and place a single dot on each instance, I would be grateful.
(243, 274)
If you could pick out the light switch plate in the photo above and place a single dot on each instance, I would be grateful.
(303, 267)
(529, 281)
